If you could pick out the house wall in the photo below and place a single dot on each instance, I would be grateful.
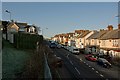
(109, 43)
(85, 38)
(92, 41)
(119, 43)
(77, 43)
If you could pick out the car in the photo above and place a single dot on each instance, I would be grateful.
(58, 62)
(103, 62)
(53, 45)
(65, 47)
(59, 46)
(74, 50)
(91, 57)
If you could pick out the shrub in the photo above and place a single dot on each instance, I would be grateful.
(27, 41)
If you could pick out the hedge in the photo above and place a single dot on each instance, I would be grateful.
(27, 41)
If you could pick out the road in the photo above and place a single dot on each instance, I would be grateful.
(76, 69)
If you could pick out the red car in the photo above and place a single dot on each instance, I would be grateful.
(91, 57)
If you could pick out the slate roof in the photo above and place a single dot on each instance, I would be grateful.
(94, 35)
(84, 34)
(113, 34)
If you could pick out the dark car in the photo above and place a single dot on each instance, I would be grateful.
(103, 62)
(53, 45)
(58, 62)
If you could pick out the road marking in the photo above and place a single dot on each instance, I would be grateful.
(71, 62)
(101, 75)
(93, 69)
(67, 55)
(81, 59)
(89, 66)
(77, 70)
(58, 74)
(96, 71)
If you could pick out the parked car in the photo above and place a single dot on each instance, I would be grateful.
(74, 50)
(65, 47)
(68, 48)
(59, 46)
(53, 45)
(91, 57)
(103, 62)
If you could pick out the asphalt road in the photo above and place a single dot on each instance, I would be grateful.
(76, 69)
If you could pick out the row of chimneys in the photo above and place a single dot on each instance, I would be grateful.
(110, 27)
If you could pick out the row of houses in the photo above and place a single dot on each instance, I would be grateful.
(10, 27)
(104, 39)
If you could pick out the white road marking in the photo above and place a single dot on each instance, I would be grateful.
(96, 71)
(71, 62)
(89, 66)
(67, 55)
(81, 59)
(93, 69)
(101, 75)
(77, 70)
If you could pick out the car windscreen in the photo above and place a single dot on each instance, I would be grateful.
(76, 50)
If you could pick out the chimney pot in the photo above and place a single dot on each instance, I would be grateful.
(118, 26)
(110, 27)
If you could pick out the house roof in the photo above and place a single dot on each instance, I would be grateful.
(100, 34)
(113, 34)
(79, 31)
(85, 33)
(94, 35)
(71, 34)
(28, 26)
(56, 35)
(20, 24)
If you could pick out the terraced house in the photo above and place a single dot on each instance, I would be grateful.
(104, 40)
(111, 41)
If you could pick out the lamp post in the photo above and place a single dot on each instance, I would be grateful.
(9, 13)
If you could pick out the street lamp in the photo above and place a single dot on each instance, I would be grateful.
(9, 13)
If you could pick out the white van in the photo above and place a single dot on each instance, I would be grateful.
(74, 50)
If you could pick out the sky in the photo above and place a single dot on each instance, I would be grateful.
(63, 17)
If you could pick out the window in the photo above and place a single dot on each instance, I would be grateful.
(115, 43)
(110, 40)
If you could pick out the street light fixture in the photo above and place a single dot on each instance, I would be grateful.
(9, 13)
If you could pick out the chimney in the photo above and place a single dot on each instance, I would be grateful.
(119, 26)
(110, 27)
